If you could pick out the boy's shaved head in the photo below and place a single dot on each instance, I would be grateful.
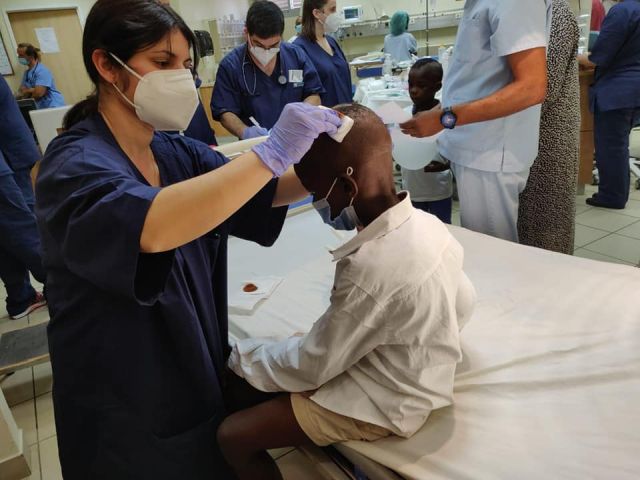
(367, 149)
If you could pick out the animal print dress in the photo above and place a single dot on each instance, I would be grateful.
(546, 217)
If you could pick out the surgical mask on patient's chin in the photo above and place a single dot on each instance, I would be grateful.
(263, 55)
(346, 220)
(165, 99)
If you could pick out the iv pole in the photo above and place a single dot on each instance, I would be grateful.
(427, 32)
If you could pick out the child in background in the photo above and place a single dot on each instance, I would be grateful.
(431, 189)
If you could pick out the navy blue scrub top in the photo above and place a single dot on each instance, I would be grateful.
(245, 90)
(616, 53)
(138, 341)
(16, 140)
(333, 70)
(199, 128)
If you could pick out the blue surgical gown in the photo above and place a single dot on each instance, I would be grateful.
(245, 90)
(138, 341)
(333, 70)
(40, 76)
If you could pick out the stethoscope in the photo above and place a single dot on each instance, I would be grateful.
(282, 80)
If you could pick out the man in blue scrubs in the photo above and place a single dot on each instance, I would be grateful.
(258, 79)
(615, 100)
(19, 239)
(37, 81)
(496, 81)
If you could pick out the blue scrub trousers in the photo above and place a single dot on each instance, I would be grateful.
(439, 208)
(611, 134)
(20, 251)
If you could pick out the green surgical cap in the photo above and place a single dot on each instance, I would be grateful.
(399, 23)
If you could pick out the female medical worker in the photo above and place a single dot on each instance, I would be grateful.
(615, 100)
(37, 81)
(400, 44)
(319, 17)
(134, 225)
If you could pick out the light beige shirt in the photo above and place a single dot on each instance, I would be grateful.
(386, 349)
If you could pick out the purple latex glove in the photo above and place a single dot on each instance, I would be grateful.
(254, 132)
(293, 134)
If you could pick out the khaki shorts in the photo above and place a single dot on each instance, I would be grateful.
(325, 427)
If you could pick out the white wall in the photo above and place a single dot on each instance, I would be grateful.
(419, 6)
(197, 12)
(388, 7)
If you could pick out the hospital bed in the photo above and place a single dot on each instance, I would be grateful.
(549, 386)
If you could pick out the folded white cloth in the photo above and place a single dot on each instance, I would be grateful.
(245, 296)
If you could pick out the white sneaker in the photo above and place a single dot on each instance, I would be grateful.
(37, 303)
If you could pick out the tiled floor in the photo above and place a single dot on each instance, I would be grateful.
(606, 235)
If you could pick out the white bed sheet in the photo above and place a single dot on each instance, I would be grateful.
(550, 382)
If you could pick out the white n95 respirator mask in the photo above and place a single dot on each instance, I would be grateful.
(263, 55)
(332, 23)
(165, 99)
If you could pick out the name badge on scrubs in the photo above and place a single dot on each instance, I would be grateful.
(296, 77)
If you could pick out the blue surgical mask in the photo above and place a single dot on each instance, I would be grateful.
(346, 220)
(23, 61)
(298, 29)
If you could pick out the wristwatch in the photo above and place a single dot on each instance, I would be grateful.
(448, 119)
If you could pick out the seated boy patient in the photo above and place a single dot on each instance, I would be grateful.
(383, 355)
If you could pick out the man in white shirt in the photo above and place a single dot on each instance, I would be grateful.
(496, 81)
(384, 354)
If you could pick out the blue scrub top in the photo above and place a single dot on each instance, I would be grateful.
(333, 70)
(616, 53)
(16, 140)
(138, 341)
(40, 75)
(245, 90)
(199, 128)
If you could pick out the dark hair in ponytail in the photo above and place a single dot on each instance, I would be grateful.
(30, 50)
(124, 28)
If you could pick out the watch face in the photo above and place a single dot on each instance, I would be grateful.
(448, 120)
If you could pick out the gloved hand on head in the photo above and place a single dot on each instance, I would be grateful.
(254, 132)
(293, 134)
